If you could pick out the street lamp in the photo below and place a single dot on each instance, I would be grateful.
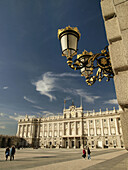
(93, 66)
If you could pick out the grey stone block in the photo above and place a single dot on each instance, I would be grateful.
(122, 14)
(116, 2)
(124, 124)
(118, 59)
(108, 8)
(121, 85)
(113, 30)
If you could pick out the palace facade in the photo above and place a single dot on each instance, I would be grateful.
(74, 129)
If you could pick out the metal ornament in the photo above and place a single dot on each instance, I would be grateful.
(93, 66)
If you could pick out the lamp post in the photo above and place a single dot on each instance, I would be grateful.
(87, 62)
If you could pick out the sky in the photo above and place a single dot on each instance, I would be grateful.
(34, 76)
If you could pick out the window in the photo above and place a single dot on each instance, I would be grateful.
(106, 142)
(97, 121)
(104, 120)
(91, 132)
(92, 142)
(91, 121)
(98, 132)
(105, 131)
(55, 133)
(111, 119)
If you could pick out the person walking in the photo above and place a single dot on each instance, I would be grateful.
(84, 153)
(89, 152)
(12, 152)
(7, 153)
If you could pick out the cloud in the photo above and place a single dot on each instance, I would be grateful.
(4, 88)
(2, 114)
(20, 117)
(29, 100)
(38, 107)
(2, 127)
(82, 93)
(112, 101)
(48, 83)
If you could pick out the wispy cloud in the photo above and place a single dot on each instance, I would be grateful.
(2, 114)
(5, 88)
(29, 100)
(2, 127)
(112, 101)
(38, 107)
(48, 83)
(82, 93)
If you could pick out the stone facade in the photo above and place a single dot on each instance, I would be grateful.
(74, 129)
(115, 14)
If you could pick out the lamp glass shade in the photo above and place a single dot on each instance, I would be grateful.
(64, 43)
(72, 40)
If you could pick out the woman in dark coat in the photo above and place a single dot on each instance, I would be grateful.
(7, 153)
(89, 152)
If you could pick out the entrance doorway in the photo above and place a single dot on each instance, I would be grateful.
(79, 145)
(72, 144)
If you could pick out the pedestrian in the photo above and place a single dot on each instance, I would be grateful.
(7, 153)
(89, 152)
(84, 153)
(12, 152)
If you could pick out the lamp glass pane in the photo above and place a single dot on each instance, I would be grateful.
(64, 42)
(72, 41)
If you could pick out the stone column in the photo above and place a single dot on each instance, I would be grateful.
(81, 142)
(117, 133)
(47, 130)
(58, 130)
(52, 130)
(102, 133)
(18, 130)
(43, 129)
(68, 128)
(31, 130)
(74, 143)
(68, 143)
(38, 132)
(109, 130)
(22, 130)
(81, 128)
(63, 132)
(26, 130)
(94, 128)
(115, 14)
(75, 128)
(88, 127)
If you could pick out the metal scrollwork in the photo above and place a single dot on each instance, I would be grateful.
(93, 66)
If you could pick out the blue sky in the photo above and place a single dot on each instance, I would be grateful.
(34, 77)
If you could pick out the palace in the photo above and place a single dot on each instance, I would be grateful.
(74, 129)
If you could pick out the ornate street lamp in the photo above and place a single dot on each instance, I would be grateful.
(93, 66)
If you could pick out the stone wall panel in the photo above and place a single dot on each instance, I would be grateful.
(125, 42)
(108, 8)
(122, 14)
(118, 58)
(116, 2)
(113, 30)
(121, 85)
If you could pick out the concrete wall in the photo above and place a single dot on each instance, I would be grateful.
(115, 14)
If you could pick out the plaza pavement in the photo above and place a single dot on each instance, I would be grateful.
(62, 159)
